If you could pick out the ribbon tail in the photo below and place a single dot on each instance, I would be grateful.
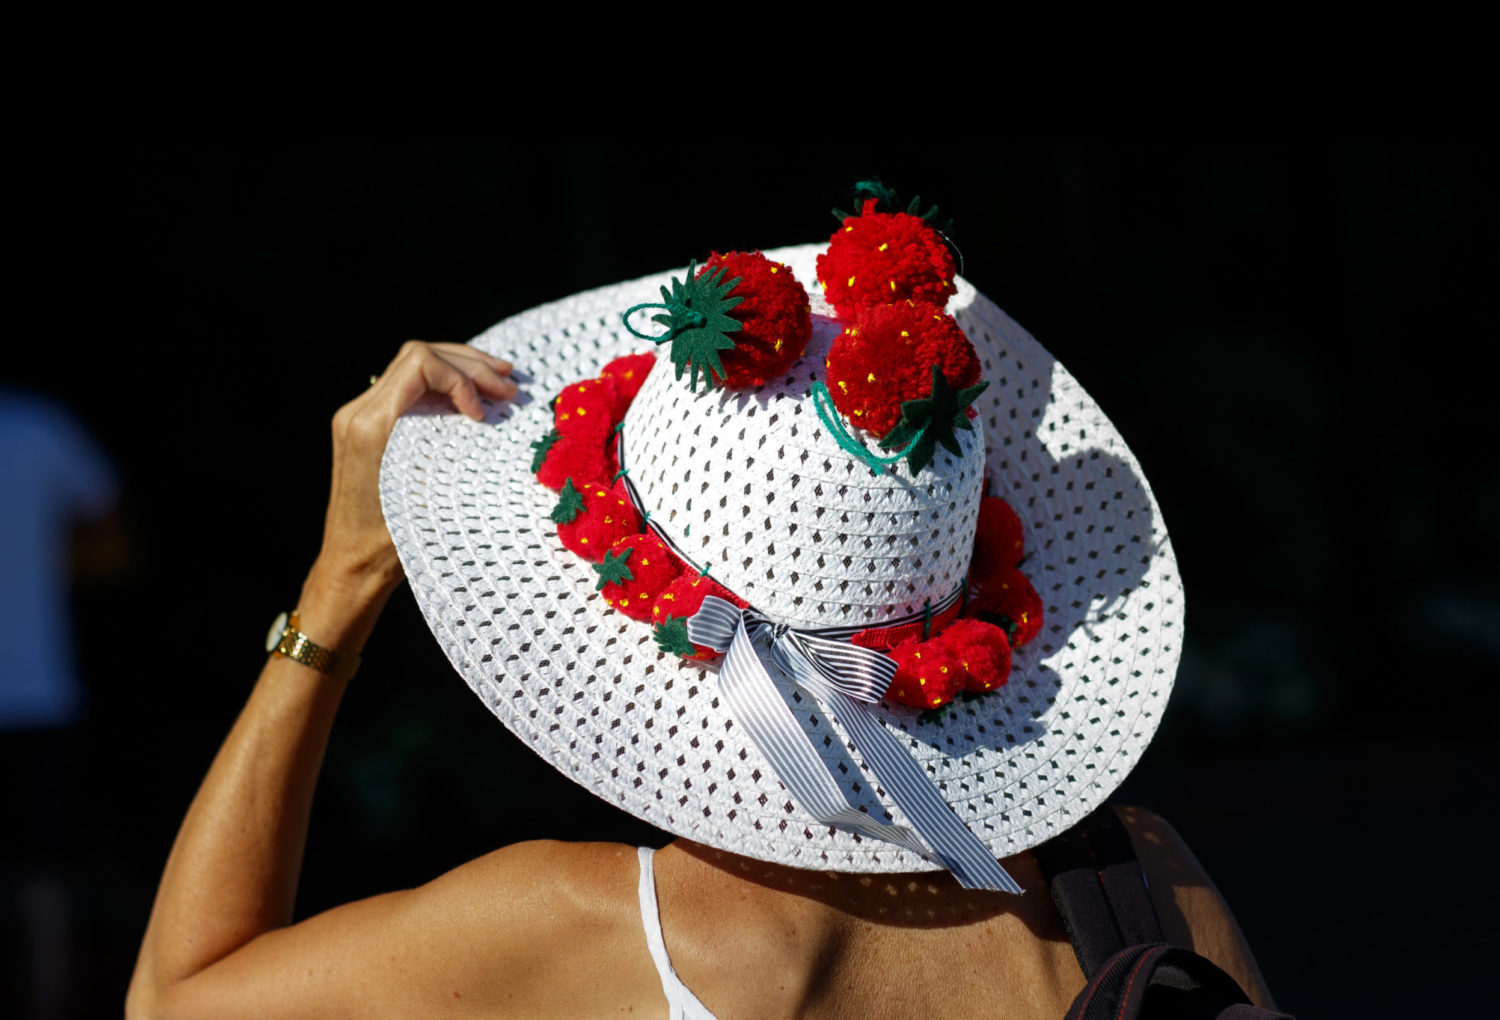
(830, 673)
(892, 765)
(758, 706)
(885, 759)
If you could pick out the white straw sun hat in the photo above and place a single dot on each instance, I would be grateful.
(747, 485)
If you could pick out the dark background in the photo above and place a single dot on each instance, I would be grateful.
(1289, 336)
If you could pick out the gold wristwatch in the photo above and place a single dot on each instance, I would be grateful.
(286, 638)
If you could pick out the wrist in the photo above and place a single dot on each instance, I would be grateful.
(338, 609)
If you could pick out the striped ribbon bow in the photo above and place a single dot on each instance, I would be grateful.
(844, 679)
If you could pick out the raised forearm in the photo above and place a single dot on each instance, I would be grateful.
(232, 873)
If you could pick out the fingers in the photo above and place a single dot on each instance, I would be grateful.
(482, 373)
(459, 371)
(443, 376)
(452, 352)
(492, 381)
(466, 351)
(418, 370)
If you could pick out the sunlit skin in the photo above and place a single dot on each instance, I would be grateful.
(551, 929)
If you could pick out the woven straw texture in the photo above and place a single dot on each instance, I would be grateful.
(752, 486)
(586, 688)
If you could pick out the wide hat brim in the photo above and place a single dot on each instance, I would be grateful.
(587, 689)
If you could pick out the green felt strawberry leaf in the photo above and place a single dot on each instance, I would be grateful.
(932, 419)
(569, 504)
(613, 569)
(914, 208)
(698, 323)
(1002, 621)
(933, 715)
(888, 201)
(672, 637)
(541, 446)
(885, 198)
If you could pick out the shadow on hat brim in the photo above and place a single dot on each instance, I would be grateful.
(587, 689)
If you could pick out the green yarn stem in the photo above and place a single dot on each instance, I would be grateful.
(829, 415)
(619, 474)
(926, 619)
(690, 320)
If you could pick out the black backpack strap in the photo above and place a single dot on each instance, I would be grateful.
(1101, 894)
(1099, 889)
(1164, 981)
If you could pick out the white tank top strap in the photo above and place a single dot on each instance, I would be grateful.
(682, 1004)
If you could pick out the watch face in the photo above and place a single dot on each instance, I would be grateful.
(274, 637)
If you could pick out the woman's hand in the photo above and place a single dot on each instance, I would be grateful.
(357, 564)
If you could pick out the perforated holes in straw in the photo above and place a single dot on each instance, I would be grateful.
(588, 691)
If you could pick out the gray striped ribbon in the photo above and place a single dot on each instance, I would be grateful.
(844, 679)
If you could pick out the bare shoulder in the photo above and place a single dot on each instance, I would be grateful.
(543, 883)
(521, 931)
(544, 873)
(1193, 913)
(532, 921)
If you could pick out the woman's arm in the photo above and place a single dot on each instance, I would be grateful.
(232, 873)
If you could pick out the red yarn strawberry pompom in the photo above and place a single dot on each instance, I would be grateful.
(885, 358)
(1008, 600)
(999, 541)
(682, 599)
(684, 596)
(628, 372)
(775, 318)
(601, 517)
(582, 460)
(586, 409)
(612, 457)
(876, 258)
(926, 675)
(634, 571)
(982, 649)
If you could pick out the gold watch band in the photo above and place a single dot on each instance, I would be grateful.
(299, 647)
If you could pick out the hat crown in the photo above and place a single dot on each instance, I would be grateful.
(518, 615)
(753, 487)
